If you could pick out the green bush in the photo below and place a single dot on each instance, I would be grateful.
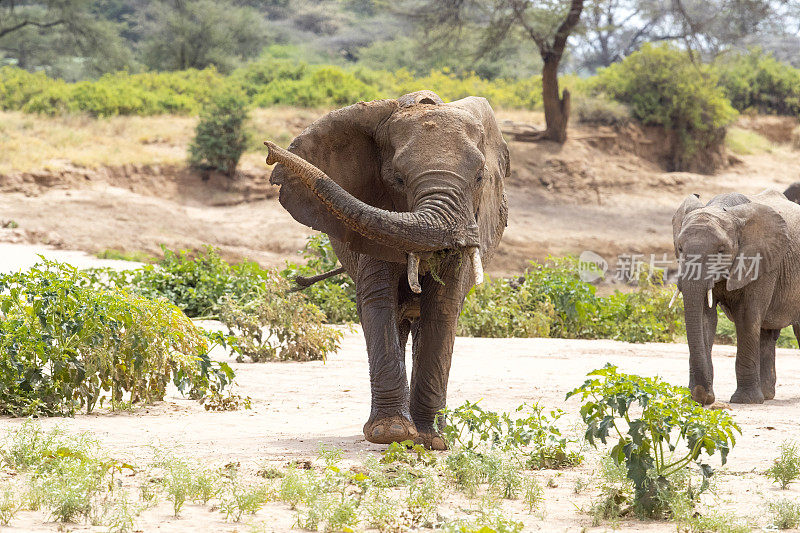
(550, 300)
(196, 283)
(220, 137)
(63, 343)
(335, 296)
(600, 109)
(118, 93)
(279, 325)
(663, 86)
(756, 81)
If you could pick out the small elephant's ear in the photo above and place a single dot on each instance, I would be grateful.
(493, 209)
(342, 144)
(691, 203)
(763, 243)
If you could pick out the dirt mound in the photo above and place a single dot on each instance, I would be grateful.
(780, 130)
(174, 182)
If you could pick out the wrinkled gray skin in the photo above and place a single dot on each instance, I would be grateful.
(390, 178)
(759, 305)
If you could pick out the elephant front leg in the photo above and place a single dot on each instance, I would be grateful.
(433, 337)
(748, 364)
(769, 337)
(389, 419)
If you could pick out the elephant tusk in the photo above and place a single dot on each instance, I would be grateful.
(674, 297)
(477, 265)
(413, 273)
(710, 299)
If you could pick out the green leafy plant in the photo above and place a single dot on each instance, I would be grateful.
(64, 343)
(279, 325)
(551, 300)
(335, 296)
(220, 137)
(470, 427)
(671, 432)
(786, 468)
(239, 499)
(195, 282)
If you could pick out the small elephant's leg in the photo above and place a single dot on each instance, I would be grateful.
(748, 363)
(390, 419)
(769, 337)
(433, 337)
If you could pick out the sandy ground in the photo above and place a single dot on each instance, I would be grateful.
(297, 406)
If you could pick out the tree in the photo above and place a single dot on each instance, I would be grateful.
(65, 36)
(547, 23)
(613, 29)
(182, 34)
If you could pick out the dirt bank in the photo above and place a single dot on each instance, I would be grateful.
(602, 190)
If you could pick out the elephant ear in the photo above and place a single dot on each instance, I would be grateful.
(763, 234)
(691, 203)
(493, 209)
(342, 144)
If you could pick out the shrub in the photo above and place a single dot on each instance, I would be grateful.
(196, 283)
(671, 432)
(279, 325)
(335, 296)
(759, 82)
(535, 435)
(220, 137)
(786, 514)
(663, 86)
(63, 342)
(600, 109)
(786, 468)
(550, 300)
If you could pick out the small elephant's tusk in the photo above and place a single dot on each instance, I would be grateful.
(477, 265)
(710, 299)
(413, 273)
(674, 297)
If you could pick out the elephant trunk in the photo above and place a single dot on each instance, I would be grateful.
(700, 337)
(424, 229)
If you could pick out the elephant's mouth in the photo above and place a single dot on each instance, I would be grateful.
(428, 228)
(473, 253)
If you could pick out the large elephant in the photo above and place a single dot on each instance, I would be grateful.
(743, 253)
(410, 192)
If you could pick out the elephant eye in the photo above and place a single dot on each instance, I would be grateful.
(479, 177)
(399, 179)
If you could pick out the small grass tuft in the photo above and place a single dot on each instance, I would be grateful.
(746, 142)
(785, 513)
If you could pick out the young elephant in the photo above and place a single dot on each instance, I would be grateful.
(742, 252)
(403, 187)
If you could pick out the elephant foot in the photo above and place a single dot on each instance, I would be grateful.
(702, 396)
(390, 429)
(750, 395)
(432, 441)
(768, 392)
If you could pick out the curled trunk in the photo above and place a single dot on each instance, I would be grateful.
(421, 230)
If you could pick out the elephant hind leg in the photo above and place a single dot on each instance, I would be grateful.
(769, 337)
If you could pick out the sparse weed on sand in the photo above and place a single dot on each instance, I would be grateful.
(786, 467)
